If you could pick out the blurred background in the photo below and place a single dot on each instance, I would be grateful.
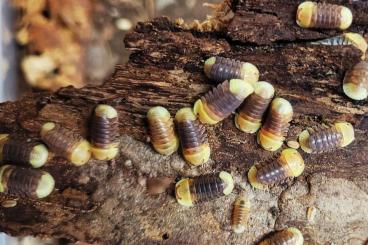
(49, 44)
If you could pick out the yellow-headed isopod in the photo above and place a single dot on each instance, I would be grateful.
(289, 236)
(289, 164)
(193, 138)
(339, 135)
(105, 133)
(190, 191)
(323, 15)
(220, 69)
(66, 143)
(273, 131)
(355, 83)
(20, 152)
(162, 131)
(219, 103)
(250, 114)
(25, 182)
(240, 214)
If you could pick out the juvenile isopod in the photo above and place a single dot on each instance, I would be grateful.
(220, 69)
(339, 135)
(250, 114)
(190, 191)
(355, 83)
(289, 164)
(349, 38)
(240, 214)
(66, 143)
(17, 151)
(162, 131)
(193, 138)
(105, 133)
(273, 131)
(25, 182)
(323, 15)
(219, 103)
(289, 236)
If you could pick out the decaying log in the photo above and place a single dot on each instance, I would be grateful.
(106, 202)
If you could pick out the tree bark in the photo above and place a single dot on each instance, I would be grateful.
(106, 202)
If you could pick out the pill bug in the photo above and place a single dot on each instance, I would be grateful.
(250, 114)
(25, 182)
(240, 214)
(220, 69)
(289, 236)
(276, 126)
(322, 15)
(349, 38)
(193, 138)
(19, 151)
(104, 133)
(66, 143)
(190, 191)
(355, 83)
(220, 102)
(162, 131)
(339, 135)
(289, 164)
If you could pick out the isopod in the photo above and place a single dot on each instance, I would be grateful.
(25, 182)
(105, 133)
(273, 131)
(250, 114)
(17, 151)
(66, 143)
(355, 83)
(220, 69)
(162, 131)
(289, 164)
(289, 236)
(219, 103)
(190, 191)
(349, 38)
(193, 138)
(240, 214)
(339, 135)
(322, 15)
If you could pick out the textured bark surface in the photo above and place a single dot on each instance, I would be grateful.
(107, 202)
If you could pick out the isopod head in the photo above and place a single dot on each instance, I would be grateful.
(81, 152)
(164, 115)
(110, 151)
(307, 9)
(38, 156)
(237, 87)
(264, 90)
(268, 140)
(298, 235)
(250, 72)
(358, 41)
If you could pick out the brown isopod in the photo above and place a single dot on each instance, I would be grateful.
(240, 214)
(289, 164)
(355, 83)
(273, 131)
(24, 182)
(289, 236)
(322, 15)
(340, 134)
(162, 131)
(190, 191)
(193, 138)
(105, 133)
(219, 103)
(66, 143)
(220, 69)
(250, 114)
(17, 151)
